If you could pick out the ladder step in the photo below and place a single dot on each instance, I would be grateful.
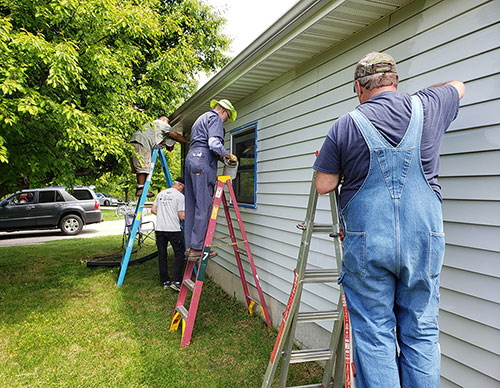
(182, 311)
(313, 316)
(309, 355)
(189, 284)
(318, 385)
(322, 228)
(321, 275)
(242, 252)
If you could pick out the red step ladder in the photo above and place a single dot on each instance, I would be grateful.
(187, 317)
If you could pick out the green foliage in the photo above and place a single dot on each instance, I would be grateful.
(77, 78)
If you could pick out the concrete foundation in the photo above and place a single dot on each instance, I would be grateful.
(307, 335)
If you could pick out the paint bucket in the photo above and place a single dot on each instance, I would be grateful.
(230, 169)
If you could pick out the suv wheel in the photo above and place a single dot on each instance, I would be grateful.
(106, 203)
(71, 224)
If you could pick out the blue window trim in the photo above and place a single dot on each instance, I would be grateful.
(231, 133)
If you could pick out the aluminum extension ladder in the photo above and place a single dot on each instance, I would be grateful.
(338, 353)
(187, 317)
(158, 150)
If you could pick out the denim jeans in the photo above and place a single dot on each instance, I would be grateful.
(393, 253)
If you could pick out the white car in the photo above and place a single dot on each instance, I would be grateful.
(107, 200)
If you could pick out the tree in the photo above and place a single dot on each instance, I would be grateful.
(77, 78)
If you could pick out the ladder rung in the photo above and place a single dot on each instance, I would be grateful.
(322, 228)
(241, 252)
(318, 385)
(313, 316)
(308, 355)
(189, 284)
(321, 276)
(182, 311)
(254, 300)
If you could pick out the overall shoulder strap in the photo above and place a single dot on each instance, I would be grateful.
(372, 137)
(414, 131)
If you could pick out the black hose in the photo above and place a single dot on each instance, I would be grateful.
(118, 263)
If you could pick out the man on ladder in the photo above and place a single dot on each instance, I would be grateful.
(205, 149)
(387, 150)
(144, 142)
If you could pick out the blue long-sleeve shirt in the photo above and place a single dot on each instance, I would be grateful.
(208, 132)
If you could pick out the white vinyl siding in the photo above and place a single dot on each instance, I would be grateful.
(432, 41)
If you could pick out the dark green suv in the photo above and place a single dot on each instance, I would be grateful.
(50, 208)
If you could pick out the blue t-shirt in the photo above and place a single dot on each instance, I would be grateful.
(345, 151)
(206, 126)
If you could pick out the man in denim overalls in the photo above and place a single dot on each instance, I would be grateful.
(387, 151)
(205, 149)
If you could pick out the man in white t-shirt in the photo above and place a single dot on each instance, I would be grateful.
(169, 209)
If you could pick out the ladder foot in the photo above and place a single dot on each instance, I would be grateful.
(250, 307)
(174, 325)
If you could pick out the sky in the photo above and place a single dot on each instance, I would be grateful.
(246, 21)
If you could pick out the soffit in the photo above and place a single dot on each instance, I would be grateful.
(306, 30)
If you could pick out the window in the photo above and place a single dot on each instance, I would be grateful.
(22, 198)
(49, 196)
(46, 196)
(243, 145)
(82, 194)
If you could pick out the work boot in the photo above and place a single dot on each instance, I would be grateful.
(195, 253)
(138, 193)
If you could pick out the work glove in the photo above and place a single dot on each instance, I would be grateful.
(231, 159)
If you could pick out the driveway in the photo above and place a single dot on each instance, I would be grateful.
(33, 237)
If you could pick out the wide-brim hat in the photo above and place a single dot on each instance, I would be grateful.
(226, 104)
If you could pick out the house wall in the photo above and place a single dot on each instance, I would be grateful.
(432, 41)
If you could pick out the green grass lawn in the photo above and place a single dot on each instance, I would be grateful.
(64, 324)
(110, 215)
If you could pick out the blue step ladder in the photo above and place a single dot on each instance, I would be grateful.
(158, 150)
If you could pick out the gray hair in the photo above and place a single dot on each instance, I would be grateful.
(374, 81)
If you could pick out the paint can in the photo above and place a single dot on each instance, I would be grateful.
(230, 169)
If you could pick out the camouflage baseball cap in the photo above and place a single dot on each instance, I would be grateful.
(374, 63)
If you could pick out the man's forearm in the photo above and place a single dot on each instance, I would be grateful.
(326, 182)
(177, 137)
(216, 146)
(456, 84)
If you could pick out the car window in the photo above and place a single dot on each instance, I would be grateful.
(22, 198)
(46, 196)
(59, 197)
(82, 194)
